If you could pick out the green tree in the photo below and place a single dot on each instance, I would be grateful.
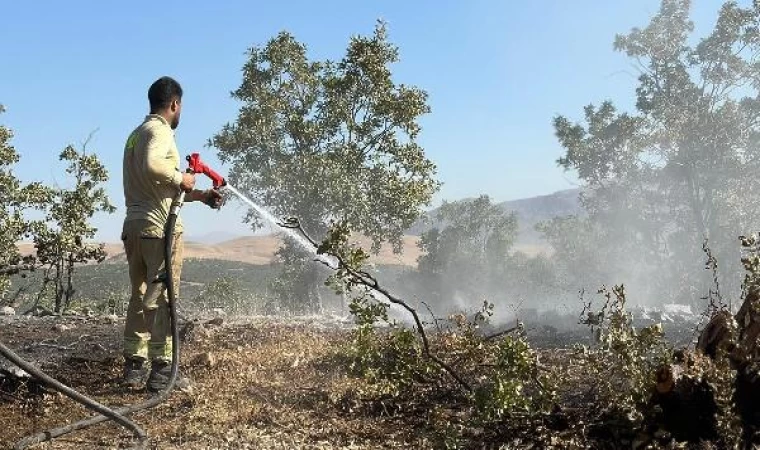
(682, 167)
(580, 248)
(467, 252)
(15, 198)
(326, 140)
(67, 240)
(228, 295)
(297, 288)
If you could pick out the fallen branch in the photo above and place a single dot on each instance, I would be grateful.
(11, 397)
(435, 319)
(501, 333)
(367, 280)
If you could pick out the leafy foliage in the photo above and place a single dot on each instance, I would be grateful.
(15, 197)
(296, 289)
(466, 255)
(228, 295)
(473, 231)
(326, 140)
(681, 168)
(66, 241)
(579, 250)
(491, 377)
(505, 370)
(625, 360)
(62, 237)
(505, 393)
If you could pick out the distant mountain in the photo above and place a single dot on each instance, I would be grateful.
(260, 250)
(212, 238)
(530, 211)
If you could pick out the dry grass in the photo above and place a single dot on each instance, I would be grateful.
(254, 386)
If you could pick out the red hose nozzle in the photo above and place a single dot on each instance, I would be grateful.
(197, 166)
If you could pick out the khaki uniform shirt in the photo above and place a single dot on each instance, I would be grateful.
(151, 175)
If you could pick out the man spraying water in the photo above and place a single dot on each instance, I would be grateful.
(152, 179)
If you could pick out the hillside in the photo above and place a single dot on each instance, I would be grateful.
(530, 211)
(260, 250)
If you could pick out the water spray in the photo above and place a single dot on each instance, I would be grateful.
(328, 260)
(302, 241)
(198, 166)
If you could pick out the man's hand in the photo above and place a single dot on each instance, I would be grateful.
(211, 197)
(188, 182)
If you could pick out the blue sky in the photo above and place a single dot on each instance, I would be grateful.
(496, 72)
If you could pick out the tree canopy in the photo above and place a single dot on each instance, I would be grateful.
(326, 140)
(682, 167)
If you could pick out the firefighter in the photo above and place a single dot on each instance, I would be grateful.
(152, 178)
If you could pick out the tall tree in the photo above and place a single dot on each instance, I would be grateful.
(15, 198)
(325, 140)
(682, 167)
(467, 253)
(67, 239)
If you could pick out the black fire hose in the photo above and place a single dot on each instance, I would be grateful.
(106, 413)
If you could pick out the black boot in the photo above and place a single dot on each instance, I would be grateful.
(135, 371)
(159, 377)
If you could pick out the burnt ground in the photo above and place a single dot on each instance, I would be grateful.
(265, 383)
(255, 385)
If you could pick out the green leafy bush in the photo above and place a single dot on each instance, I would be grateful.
(624, 361)
(512, 386)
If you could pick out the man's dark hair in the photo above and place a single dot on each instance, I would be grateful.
(162, 92)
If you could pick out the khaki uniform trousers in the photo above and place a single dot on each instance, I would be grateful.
(147, 332)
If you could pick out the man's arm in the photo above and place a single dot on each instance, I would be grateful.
(159, 167)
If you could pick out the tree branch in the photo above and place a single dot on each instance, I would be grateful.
(369, 281)
(500, 333)
(435, 319)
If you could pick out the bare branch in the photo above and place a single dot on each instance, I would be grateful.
(501, 333)
(368, 280)
(436, 320)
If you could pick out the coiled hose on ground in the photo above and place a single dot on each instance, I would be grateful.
(106, 413)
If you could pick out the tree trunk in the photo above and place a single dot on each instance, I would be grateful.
(58, 285)
(694, 204)
(69, 281)
(318, 296)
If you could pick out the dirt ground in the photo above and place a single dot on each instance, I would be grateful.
(258, 383)
(267, 385)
